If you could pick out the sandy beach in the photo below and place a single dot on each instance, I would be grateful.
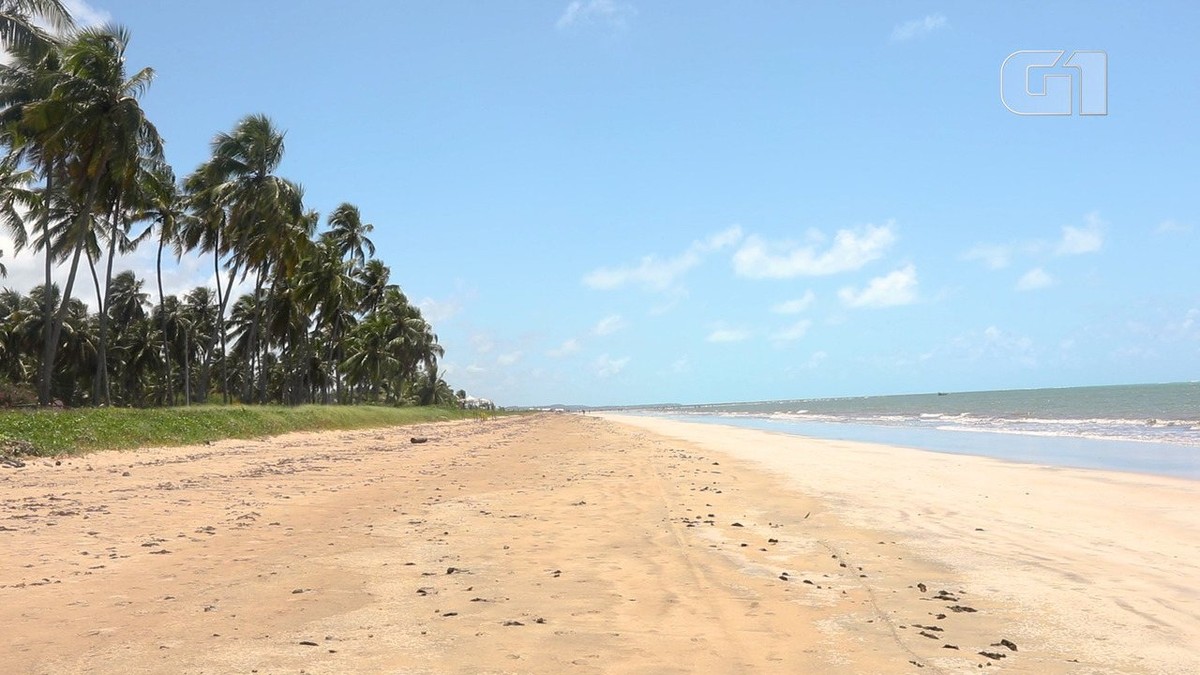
(570, 543)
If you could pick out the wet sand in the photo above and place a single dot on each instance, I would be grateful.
(564, 543)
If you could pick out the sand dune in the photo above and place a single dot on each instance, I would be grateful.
(564, 543)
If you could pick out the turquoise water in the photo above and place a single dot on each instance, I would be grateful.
(1153, 428)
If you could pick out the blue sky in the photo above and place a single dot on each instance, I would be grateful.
(607, 202)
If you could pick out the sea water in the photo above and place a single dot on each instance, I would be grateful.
(1151, 428)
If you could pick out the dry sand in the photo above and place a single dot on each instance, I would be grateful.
(564, 543)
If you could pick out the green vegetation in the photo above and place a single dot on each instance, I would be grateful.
(83, 179)
(53, 432)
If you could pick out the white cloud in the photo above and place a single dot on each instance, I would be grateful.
(438, 311)
(992, 344)
(1080, 240)
(851, 249)
(1186, 328)
(795, 306)
(567, 348)
(681, 365)
(995, 256)
(606, 12)
(606, 366)
(656, 274)
(918, 28)
(794, 332)
(482, 343)
(998, 343)
(87, 15)
(897, 288)
(728, 335)
(609, 325)
(25, 270)
(1171, 226)
(509, 358)
(1034, 279)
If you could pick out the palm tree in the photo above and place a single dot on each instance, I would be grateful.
(30, 120)
(129, 140)
(198, 320)
(330, 289)
(202, 229)
(107, 135)
(349, 234)
(242, 318)
(259, 207)
(286, 329)
(18, 27)
(374, 279)
(370, 353)
(163, 204)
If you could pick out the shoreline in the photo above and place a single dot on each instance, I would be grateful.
(570, 543)
(1145, 457)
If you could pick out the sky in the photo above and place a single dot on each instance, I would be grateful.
(603, 202)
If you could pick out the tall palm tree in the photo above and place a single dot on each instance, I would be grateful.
(163, 204)
(30, 121)
(35, 118)
(108, 136)
(258, 206)
(202, 229)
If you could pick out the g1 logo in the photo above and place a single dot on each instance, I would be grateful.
(1033, 82)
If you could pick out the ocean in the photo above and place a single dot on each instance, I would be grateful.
(1149, 428)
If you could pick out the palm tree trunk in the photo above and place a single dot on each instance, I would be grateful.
(220, 328)
(187, 372)
(206, 367)
(252, 341)
(170, 389)
(46, 373)
(101, 353)
(114, 225)
(335, 341)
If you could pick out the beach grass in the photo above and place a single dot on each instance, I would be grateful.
(77, 431)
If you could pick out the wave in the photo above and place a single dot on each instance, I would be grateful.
(1151, 430)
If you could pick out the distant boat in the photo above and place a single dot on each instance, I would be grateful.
(942, 393)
